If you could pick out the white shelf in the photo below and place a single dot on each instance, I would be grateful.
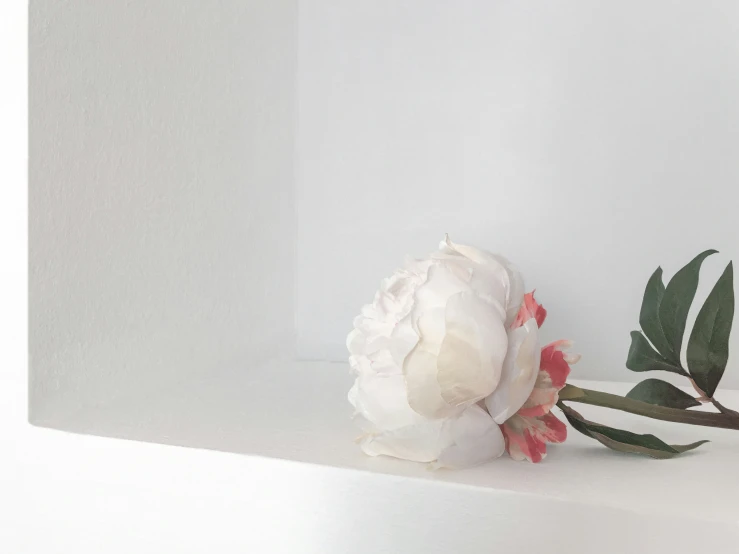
(298, 411)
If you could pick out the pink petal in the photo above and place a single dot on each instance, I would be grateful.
(553, 373)
(540, 402)
(553, 362)
(527, 437)
(537, 447)
(515, 443)
(530, 308)
(521, 443)
(553, 430)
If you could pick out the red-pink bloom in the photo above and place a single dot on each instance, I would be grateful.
(533, 426)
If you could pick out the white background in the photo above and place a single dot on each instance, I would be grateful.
(162, 221)
(13, 209)
(62, 493)
(111, 496)
(588, 141)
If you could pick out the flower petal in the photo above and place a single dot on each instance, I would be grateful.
(476, 439)
(553, 362)
(530, 308)
(419, 368)
(553, 430)
(382, 400)
(403, 339)
(443, 281)
(527, 437)
(377, 362)
(470, 252)
(552, 376)
(516, 289)
(520, 371)
(472, 353)
(419, 443)
(542, 399)
(361, 344)
(493, 269)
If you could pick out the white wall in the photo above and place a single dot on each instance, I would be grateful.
(588, 141)
(161, 206)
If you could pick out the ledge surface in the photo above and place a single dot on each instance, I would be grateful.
(298, 411)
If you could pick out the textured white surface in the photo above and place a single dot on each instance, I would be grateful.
(573, 137)
(299, 412)
(161, 212)
(122, 497)
(589, 141)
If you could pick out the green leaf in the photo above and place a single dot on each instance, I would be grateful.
(675, 305)
(642, 357)
(649, 317)
(625, 441)
(662, 393)
(708, 346)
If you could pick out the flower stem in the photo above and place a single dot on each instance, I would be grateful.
(727, 419)
(723, 409)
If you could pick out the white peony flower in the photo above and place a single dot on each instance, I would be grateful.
(438, 340)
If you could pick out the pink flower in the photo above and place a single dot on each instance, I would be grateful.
(533, 426)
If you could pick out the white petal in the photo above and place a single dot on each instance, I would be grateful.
(371, 327)
(395, 298)
(352, 396)
(493, 286)
(403, 340)
(442, 283)
(469, 252)
(383, 362)
(419, 368)
(419, 443)
(360, 344)
(471, 357)
(382, 400)
(369, 311)
(376, 362)
(494, 271)
(418, 267)
(476, 439)
(364, 424)
(358, 363)
(520, 369)
(516, 289)
(355, 342)
(490, 281)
